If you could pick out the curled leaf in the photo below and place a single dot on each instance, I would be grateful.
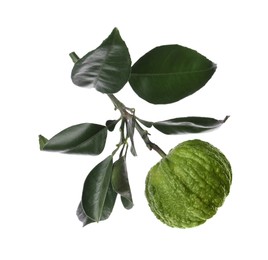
(84, 138)
(183, 125)
(106, 211)
(98, 197)
(107, 68)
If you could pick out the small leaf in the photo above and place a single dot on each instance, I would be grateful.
(107, 208)
(169, 73)
(188, 125)
(110, 124)
(120, 182)
(107, 68)
(96, 188)
(84, 138)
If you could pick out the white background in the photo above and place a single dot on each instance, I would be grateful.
(39, 192)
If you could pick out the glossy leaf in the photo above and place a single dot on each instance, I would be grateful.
(107, 68)
(84, 138)
(120, 182)
(188, 125)
(107, 208)
(169, 73)
(95, 190)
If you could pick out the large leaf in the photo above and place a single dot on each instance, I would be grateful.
(84, 138)
(184, 125)
(107, 68)
(169, 73)
(107, 208)
(95, 190)
(120, 182)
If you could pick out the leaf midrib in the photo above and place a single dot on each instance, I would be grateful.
(172, 73)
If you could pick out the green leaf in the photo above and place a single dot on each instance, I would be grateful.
(107, 68)
(95, 191)
(188, 125)
(169, 73)
(84, 138)
(107, 208)
(110, 124)
(120, 182)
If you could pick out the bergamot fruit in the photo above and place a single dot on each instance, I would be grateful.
(188, 185)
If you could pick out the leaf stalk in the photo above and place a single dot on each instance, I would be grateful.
(126, 117)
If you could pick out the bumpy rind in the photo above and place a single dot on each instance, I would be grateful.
(187, 186)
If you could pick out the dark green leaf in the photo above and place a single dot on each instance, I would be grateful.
(169, 73)
(95, 190)
(107, 208)
(110, 124)
(120, 182)
(84, 138)
(188, 125)
(107, 68)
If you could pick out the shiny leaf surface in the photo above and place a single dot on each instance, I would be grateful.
(169, 73)
(84, 138)
(188, 125)
(95, 190)
(120, 182)
(107, 208)
(107, 68)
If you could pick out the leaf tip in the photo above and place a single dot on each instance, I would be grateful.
(116, 30)
(42, 142)
(225, 119)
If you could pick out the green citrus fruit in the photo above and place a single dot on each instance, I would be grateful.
(188, 185)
